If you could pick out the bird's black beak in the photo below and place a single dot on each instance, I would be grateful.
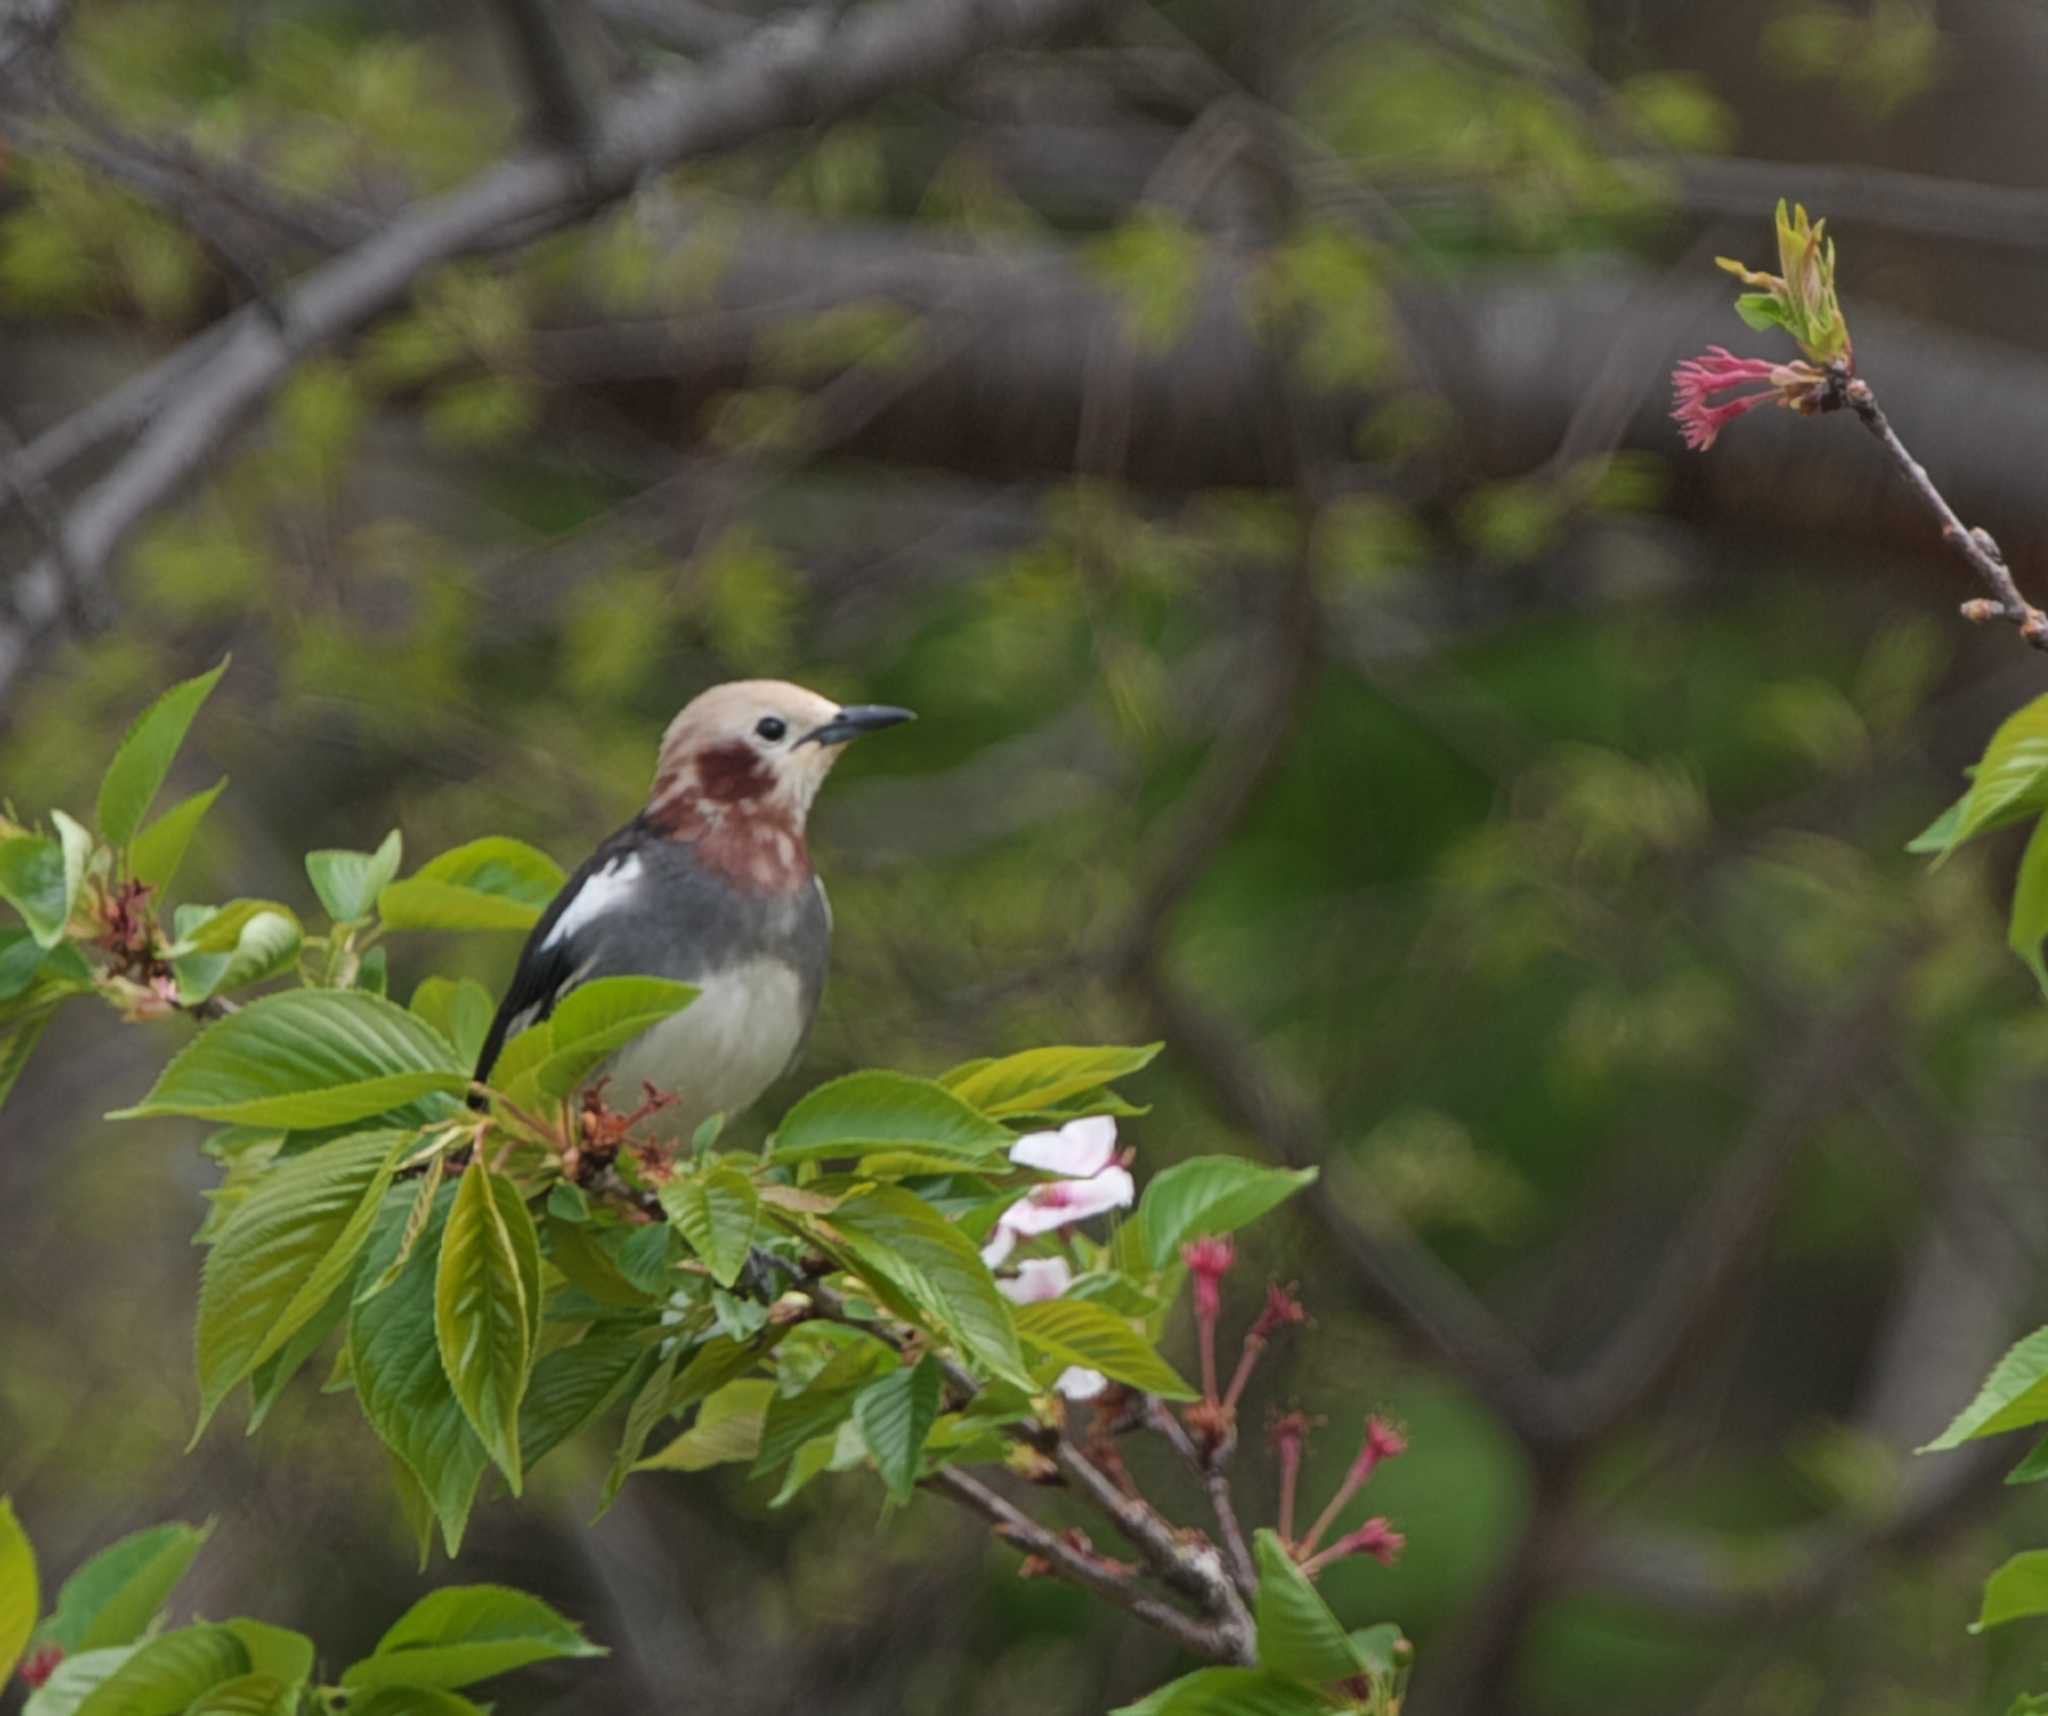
(854, 720)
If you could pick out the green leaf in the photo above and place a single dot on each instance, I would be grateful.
(582, 1255)
(17, 1043)
(267, 1382)
(21, 1599)
(2011, 781)
(823, 1404)
(2016, 1592)
(884, 1110)
(155, 854)
(1940, 834)
(482, 1309)
(168, 1673)
(1230, 1692)
(348, 883)
(895, 1415)
(417, 1218)
(1381, 1648)
(112, 1599)
(728, 1428)
(717, 1213)
(21, 958)
(395, 1359)
(74, 1681)
(650, 1406)
(1210, 1194)
(597, 1018)
(77, 845)
(2033, 1468)
(146, 754)
(284, 1253)
(494, 883)
(306, 1058)
(2013, 1396)
(1077, 1331)
(572, 1386)
(33, 882)
(1040, 1078)
(899, 1237)
(243, 942)
(248, 1695)
(1298, 1636)
(415, 1701)
(460, 1011)
(285, 1655)
(466, 1633)
(2030, 905)
(1759, 310)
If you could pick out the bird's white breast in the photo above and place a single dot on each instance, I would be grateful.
(720, 1052)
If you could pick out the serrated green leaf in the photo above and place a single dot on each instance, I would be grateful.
(1090, 1334)
(1042, 1078)
(284, 1253)
(112, 1599)
(145, 756)
(717, 1213)
(348, 883)
(895, 1415)
(2033, 1468)
(1298, 1636)
(574, 1385)
(248, 1695)
(2014, 1395)
(460, 1010)
(395, 1360)
(494, 883)
(2017, 1591)
(896, 1236)
(1230, 1692)
(267, 1382)
(823, 1404)
(306, 1058)
(32, 881)
(279, 1652)
(2011, 780)
(466, 1633)
(728, 1429)
(1209, 1194)
(1379, 1648)
(482, 1312)
(596, 1019)
(155, 854)
(1759, 310)
(886, 1111)
(168, 1673)
(2029, 925)
(417, 1218)
(21, 1599)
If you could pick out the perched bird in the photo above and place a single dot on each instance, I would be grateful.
(710, 885)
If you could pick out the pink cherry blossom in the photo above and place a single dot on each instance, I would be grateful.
(1038, 1279)
(1079, 1149)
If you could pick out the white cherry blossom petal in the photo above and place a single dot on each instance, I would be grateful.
(1061, 1203)
(1037, 1279)
(1000, 1244)
(1079, 1149)
(1078, 1382)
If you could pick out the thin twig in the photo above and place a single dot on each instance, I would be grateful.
(1976, 547)
(1210, 1640)
(1215, 1480)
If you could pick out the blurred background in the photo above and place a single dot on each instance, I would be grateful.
(1238, 427)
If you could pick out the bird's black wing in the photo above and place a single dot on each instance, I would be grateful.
(545, 972)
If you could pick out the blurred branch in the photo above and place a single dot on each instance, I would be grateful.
(539, 34)
(796, 77)
(687, 27)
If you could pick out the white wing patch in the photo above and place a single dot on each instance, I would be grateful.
(605, 892)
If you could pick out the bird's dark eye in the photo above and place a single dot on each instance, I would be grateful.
(771, 727)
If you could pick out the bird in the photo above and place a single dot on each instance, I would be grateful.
(712, 885)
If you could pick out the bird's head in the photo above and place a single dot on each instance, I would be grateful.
(742, 763)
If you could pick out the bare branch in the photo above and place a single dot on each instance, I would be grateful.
(1216, 1481)
(1210, 1640)
(548, 58)
(794, 77)
(687, 27)
(1978, 551)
